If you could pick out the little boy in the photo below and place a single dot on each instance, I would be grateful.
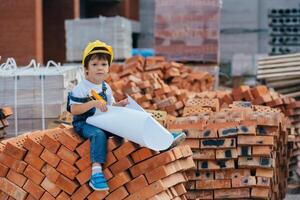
(96, 60)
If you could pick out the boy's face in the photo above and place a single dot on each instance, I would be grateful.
(97, 70)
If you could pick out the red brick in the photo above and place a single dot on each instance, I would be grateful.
(63, 196)
(110, 159)
(29, 197)
(33, 174)
(194, 143)
(81, 193)
(15, 149)
(213, 184)
(69, 138)
(50, 141)
(50, 187)
(148, 191)
(32, 143)
(84, 176)
(84, 148)
(98, 195)
(34, 161)
(83, 162)
(50, 158)
(162, 172)
(121, 165)
(16, 178)
(239, 193)
(136, 184)
(152, 163)
(47, 196)
(118, 180)
(3, 196)
(67, 155)
(12, 189)
(33, 189)
(113, 143)
(66, 184)
(51, 173)
(120, 193)
(125, 149)
(177, 152)
(107, 173)
(3, 170)
(180, 189)
(7, 111)
(142, 154)
(174, 179)
(8, 161)
(68, 170)
(187, 163)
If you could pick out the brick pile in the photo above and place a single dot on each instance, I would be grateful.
(4, 113)
(240, 151)
(156, 83)
(55, 164)
(261, 95)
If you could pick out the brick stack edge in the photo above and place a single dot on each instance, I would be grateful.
(4, 113)
(55, 164)
(240, 151)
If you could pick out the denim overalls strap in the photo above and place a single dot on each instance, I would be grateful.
(79, 120)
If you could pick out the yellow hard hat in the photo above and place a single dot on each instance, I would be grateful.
(89, 50)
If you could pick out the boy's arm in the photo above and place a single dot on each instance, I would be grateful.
(78, 109)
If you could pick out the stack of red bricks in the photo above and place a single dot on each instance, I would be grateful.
(156, 83)
(4, 113)
(240, 151)
(188, 30)
(261, 95)
(55, 164)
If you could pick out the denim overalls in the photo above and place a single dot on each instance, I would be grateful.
(98, 137)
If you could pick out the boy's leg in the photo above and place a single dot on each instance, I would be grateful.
(98, 140)
(98, 146)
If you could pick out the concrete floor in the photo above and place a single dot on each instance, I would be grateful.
(292, 197)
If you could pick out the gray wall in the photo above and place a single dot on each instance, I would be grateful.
(244, 25)
(146, 38)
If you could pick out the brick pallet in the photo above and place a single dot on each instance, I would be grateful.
(240, 152)
(156, 83)
(4, 113)
(261, 95)
(187, 30)
(55, 164)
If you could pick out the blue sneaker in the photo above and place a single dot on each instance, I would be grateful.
(98, 182)
(178, 138)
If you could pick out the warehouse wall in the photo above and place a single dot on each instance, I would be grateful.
(34, 29)
(55, 12)
(21, 30)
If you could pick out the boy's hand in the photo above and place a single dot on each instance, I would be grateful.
(100, 105)
(122, 103)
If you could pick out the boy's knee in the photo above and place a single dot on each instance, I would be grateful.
(98, 133)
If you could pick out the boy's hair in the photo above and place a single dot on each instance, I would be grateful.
(100, 56)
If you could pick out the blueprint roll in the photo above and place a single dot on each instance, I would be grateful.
(136, 126)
